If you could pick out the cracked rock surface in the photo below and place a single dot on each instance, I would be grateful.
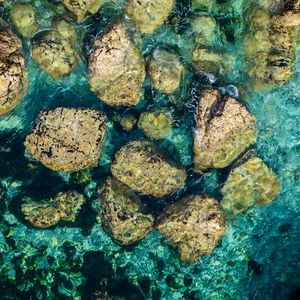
(148, 15)
(122, 213)
(67, 139)
(248, 184)
(43, 214)
(142, 166)
(224, 130)
(13, 72)
(194, 225)
(116, 68)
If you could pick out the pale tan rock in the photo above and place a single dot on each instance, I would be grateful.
(148, 15)
(122, 213)
(116, 68)
(224, 130)
(67, 139)
(43, 214)
(248, 184)
(142, 166)
(13, 72)
(81, 8)
(194, 225)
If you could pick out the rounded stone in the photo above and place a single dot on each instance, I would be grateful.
(67, 139)
(156, 124)
(224, 130)
(145, 169)
(43, 214)
(25, 18)
(123, 214)
(166, 71)
(13, 72)
(81, 8)
(248, 184)
(194, 225)
(55, 52)
(148, 15)
(116, 68)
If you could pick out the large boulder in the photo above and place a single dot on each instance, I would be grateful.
(67, 139)
(13, 72)
(194, 225)
(142, 166)
(166, 71)
(148, 15)
(248, 184)
(116, 68)
(224, 130)
(63, 207)
(123, 214)
(81, 8)
(56, 50)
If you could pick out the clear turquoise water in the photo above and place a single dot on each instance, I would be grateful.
(259, 257)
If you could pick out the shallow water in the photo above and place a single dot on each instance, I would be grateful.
(259, 255)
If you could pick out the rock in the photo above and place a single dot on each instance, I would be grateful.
(248, 184)
(13, 72)
(122, 213)
(200, 5)
(80, 8)
(224, 130)
(156, 124)
(55, 52)
(205, 30)
(116, 68)
(166, 71)
(67, 139)
(43, 214)
(148, 15)
(143, 167)
(194, 225)
(25, 18)
(127, 122)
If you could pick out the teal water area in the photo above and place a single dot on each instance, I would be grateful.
(259, 256)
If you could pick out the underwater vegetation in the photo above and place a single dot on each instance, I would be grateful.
(149, 149)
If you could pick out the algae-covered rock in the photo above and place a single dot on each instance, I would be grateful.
(127, 122)
(122, 213)
(25, 18)
(67, 139)
(156, 124)
(205, 29)
(142, 166)
(200, 5)
(224, 130)
(64, 207)
(166, 71)
(148, 15)
(248, 184)
(80, 8)
(194, 225)
(13, 72)
(116, 68)
(55, 51)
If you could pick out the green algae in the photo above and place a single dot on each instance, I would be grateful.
(259, 254)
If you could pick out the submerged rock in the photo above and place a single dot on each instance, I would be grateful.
(142, 166)
(13, 72)
(127, 122)
(67, 139)
(55, 51)
(25, 18)
(148, 15)
(122, 213)
(80, 8)
(166, 71)
(224, 130)
(43, 214)
(251, 183)
(194, 225)
(116, 68)
(205, 30)
(156, 124)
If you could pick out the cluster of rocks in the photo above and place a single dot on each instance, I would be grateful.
(71, 139)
